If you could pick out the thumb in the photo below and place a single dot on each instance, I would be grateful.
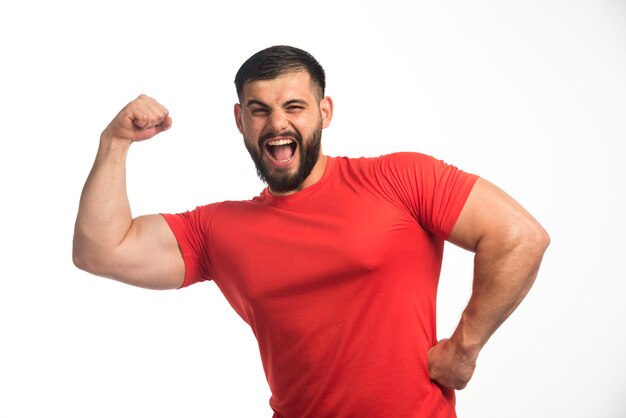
(148, 132)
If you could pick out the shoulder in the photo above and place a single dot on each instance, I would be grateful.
(396, 158)
(394, 164)
(389, 175)
(227, 207)
(389, 160)
(208, 211)
(404, 159)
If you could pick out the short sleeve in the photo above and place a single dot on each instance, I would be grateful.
(432, 191)
(192, 232)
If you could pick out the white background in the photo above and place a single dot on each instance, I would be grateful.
(529, 94)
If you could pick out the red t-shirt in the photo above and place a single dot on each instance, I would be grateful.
(338, 282)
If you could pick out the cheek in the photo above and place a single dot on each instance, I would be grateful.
(309, 126)
(252, 129)
(306, 123)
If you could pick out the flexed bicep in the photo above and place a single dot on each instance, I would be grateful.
(149, 255)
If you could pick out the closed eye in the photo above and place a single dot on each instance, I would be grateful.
(295, 105)
(295, 108)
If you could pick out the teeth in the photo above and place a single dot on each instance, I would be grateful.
(277, 142)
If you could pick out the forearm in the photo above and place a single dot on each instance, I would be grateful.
(505, 268)
(104, 215)
(509, 245)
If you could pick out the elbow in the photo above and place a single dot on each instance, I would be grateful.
(524, 236)
(545, 239)
(80, 263)
(539, 238)
(80, 260)
(89, 255)
(80, 254)
(534, 245)
(532, 238)
(86, 260)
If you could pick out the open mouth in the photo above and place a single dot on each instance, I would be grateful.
(281, 150)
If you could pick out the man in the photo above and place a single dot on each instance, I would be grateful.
(335, 264)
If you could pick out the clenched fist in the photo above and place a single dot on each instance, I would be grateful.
(449, 366)
(141, 119)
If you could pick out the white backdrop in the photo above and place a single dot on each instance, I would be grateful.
(531, 95)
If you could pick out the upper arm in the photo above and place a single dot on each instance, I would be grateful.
(149, 255)
(491, 214)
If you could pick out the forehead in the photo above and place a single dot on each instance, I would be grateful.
(285, 87)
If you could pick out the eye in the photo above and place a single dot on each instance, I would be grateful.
(295, 108)
(259, 111)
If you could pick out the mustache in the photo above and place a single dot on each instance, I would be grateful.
(284, 134)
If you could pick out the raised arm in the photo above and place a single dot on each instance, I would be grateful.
(509, 245)
(107, 240)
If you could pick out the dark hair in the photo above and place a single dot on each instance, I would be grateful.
(275, 61)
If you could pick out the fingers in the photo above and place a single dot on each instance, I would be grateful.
(141, 119)
(447, 367)
(149, 117)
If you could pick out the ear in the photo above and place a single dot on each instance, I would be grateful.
(326, 109)
(239, 117)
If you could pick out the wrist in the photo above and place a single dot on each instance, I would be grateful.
(113, 148)
(108, 136)
(466, 340)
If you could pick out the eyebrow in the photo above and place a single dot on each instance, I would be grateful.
(257, 102)
(295, 101)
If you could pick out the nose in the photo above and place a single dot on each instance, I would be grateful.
(278, 122)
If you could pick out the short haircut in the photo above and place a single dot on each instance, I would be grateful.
(275, 61)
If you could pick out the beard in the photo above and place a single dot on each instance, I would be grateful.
(280, 180)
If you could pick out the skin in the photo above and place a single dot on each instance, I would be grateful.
(508, 244)
(107, 240)
(507, 241)
(287, 103)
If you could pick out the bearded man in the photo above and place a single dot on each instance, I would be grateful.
(335, 264)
